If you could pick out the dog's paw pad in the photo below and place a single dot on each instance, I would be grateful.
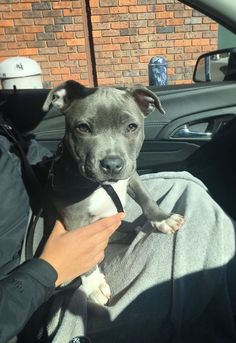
(170, 225)
(102, 294)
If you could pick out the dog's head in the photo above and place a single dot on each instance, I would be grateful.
(104, 127)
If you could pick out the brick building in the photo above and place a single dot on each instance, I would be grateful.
(105, 41)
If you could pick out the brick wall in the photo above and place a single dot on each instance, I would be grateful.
(51, 32)
(125, 34)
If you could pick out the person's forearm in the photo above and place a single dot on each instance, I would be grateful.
(21, 294)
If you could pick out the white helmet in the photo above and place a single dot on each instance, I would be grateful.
(20, 73)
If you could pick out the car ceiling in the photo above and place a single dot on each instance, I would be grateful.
(222, 11)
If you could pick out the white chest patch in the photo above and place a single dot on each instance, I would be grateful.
(101, 204)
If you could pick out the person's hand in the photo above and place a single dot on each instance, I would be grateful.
(73, 253)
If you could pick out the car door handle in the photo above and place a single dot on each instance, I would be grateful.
(185, 132)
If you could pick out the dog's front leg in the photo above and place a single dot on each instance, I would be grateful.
(165, 222)
(95, 286)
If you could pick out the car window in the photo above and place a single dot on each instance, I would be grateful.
(108, 42)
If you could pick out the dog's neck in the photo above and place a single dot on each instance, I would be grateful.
(66, 177)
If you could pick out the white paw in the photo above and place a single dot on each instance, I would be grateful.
(170, 225)
(96, 287)
(102, 294)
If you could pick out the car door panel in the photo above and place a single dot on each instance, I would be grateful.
(203, 110)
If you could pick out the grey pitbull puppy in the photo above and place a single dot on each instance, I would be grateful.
(104, 133)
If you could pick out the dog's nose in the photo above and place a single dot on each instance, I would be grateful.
(112, 165)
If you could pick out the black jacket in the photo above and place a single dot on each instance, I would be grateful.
(23, 288)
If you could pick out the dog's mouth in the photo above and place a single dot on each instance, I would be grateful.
(110, 181)
(110, 169)
(101, 177)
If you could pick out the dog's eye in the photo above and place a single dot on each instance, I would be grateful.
(84, 128)
(132, 127)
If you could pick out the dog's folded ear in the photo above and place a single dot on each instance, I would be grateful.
(146, 99)
(62, 96)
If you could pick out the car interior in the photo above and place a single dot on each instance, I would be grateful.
(196, 134)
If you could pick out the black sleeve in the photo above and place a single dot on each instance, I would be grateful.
(24, 288)
(21, 293)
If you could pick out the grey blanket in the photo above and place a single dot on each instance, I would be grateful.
(165, 288)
